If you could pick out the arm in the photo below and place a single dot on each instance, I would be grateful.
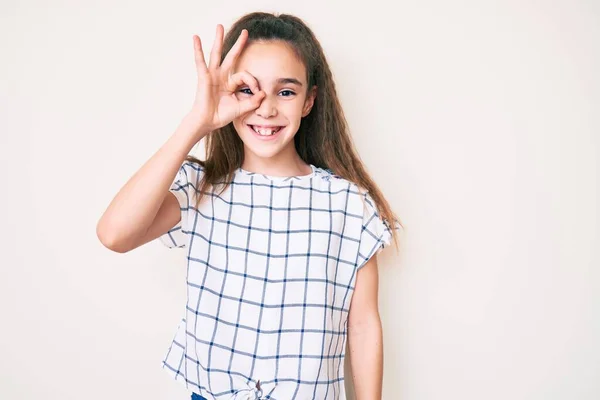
(144, 209)
(365, 336)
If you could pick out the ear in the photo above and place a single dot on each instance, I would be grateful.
(310, 101)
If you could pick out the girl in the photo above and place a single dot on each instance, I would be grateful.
(281, 224)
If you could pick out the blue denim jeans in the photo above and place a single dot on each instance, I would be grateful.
(197, 397)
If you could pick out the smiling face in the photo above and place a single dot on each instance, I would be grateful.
(268, 131)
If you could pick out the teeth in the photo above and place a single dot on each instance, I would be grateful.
(265, 131)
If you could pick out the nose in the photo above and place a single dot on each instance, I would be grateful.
(267, 108)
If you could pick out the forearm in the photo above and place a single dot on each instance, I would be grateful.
(135, 206)
(365, 342)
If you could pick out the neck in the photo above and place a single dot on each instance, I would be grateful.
(279, 165)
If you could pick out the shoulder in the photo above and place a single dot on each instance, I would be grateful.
(192, 165)
(190, 172)
(330, 176)
(354, 194)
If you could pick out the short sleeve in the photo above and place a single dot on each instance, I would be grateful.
(375, 233)
(184, 188)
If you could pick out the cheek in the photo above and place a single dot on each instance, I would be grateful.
(238, 125)
(293, 110)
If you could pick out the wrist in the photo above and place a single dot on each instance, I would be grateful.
(193, 127)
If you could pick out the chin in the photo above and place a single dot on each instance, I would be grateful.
(262, 152)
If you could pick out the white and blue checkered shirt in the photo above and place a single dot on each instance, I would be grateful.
(272, 264)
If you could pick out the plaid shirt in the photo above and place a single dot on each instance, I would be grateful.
(271, 268)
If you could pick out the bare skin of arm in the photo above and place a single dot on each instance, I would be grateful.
(144, 208)
(365, 336)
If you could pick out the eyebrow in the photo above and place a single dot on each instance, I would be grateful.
(294, 81)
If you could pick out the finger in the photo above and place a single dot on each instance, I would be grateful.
(199, 55)
(240, 78)
(252, 103)
(215, 54)
(235, 51)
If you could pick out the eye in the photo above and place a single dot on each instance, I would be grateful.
(245, 91)
(288, 93)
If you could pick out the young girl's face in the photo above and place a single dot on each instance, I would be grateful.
(269, 130)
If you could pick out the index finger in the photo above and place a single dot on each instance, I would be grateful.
(240, 78)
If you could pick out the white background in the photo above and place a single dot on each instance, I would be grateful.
(479, 120)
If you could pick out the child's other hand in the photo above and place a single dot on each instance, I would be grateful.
(216, 104)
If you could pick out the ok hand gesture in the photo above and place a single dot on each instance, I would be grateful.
(216, 104)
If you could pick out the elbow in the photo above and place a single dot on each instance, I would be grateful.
(365, 324)
(109, 239)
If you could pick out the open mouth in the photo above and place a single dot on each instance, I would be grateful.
(266, 131)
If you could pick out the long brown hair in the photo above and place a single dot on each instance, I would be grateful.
(323, 138)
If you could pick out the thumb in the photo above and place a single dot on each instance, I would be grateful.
(252, 103)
